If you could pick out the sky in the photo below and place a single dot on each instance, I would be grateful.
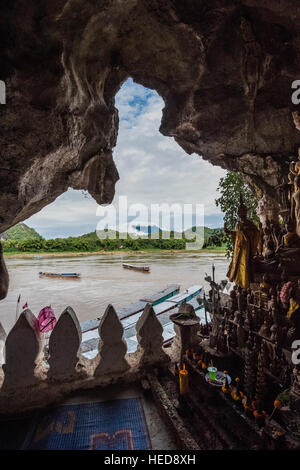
(153, 169)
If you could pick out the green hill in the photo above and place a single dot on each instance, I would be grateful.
(20, 232)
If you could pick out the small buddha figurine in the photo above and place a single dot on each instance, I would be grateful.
(278, 289)
(270, 252)
(250, 339)
(261, 315)
(250, 297)
(255, 320)
(285, 373)
(274, 330)
(260, 244)
(290, 239)
(265, 286)
(264, 330)
(237, 316)
(241, 299)
(240, 334)
(275, 315)
(248, 321)
(295, 167)
(291, 175)
(221, 340)
(268, 318)
(232, 341)
(267, 234)
(295, 204)
(272, 304)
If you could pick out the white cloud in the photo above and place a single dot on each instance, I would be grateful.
(152, 168)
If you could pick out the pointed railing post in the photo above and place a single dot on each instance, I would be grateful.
(64, 348)
(112, 347)
(22, 347)
(150, 339)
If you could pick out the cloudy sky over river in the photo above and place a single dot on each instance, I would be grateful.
(153, 169)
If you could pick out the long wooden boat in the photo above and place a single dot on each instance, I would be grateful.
(90, 333)
(64, 275)
(145, 269)
(153, 298)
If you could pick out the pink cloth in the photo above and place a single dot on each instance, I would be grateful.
(46, 319)
(285, 293)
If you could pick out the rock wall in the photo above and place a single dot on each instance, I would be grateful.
(224, 69)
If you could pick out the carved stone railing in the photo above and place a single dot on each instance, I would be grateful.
(27, 381)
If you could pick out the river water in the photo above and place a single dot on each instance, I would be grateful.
(103, 281)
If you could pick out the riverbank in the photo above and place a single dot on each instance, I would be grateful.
(68, 254)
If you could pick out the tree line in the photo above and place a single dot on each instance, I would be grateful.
(90, 243)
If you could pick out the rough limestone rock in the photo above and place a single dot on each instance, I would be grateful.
(223, 67)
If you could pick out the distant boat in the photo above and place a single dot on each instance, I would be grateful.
(137, 268)
(64, 275)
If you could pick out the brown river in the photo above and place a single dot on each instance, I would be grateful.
(103, 281)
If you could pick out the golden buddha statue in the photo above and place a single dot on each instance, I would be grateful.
(294, 171)
(265, 285)
(291, 174)
(290, 239)
(295, 205)
(297, 164)
(245, 238)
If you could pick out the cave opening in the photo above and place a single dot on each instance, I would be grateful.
(153, 169)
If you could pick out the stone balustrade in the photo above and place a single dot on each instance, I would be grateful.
(28, 381)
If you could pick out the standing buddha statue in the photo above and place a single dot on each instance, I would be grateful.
(295, 204)
(295, 168)
(245, 238)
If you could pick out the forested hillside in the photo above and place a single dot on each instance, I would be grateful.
(92, 242)
(20, 232)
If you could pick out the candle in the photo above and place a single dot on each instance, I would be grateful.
(183, 381)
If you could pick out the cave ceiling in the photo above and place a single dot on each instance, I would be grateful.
(224, 69)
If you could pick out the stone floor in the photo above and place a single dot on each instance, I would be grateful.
(160, 437)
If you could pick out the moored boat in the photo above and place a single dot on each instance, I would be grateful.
(137, 268)
(64, 275)
(90, 332)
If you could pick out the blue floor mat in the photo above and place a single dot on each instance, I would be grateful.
(108, 425)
